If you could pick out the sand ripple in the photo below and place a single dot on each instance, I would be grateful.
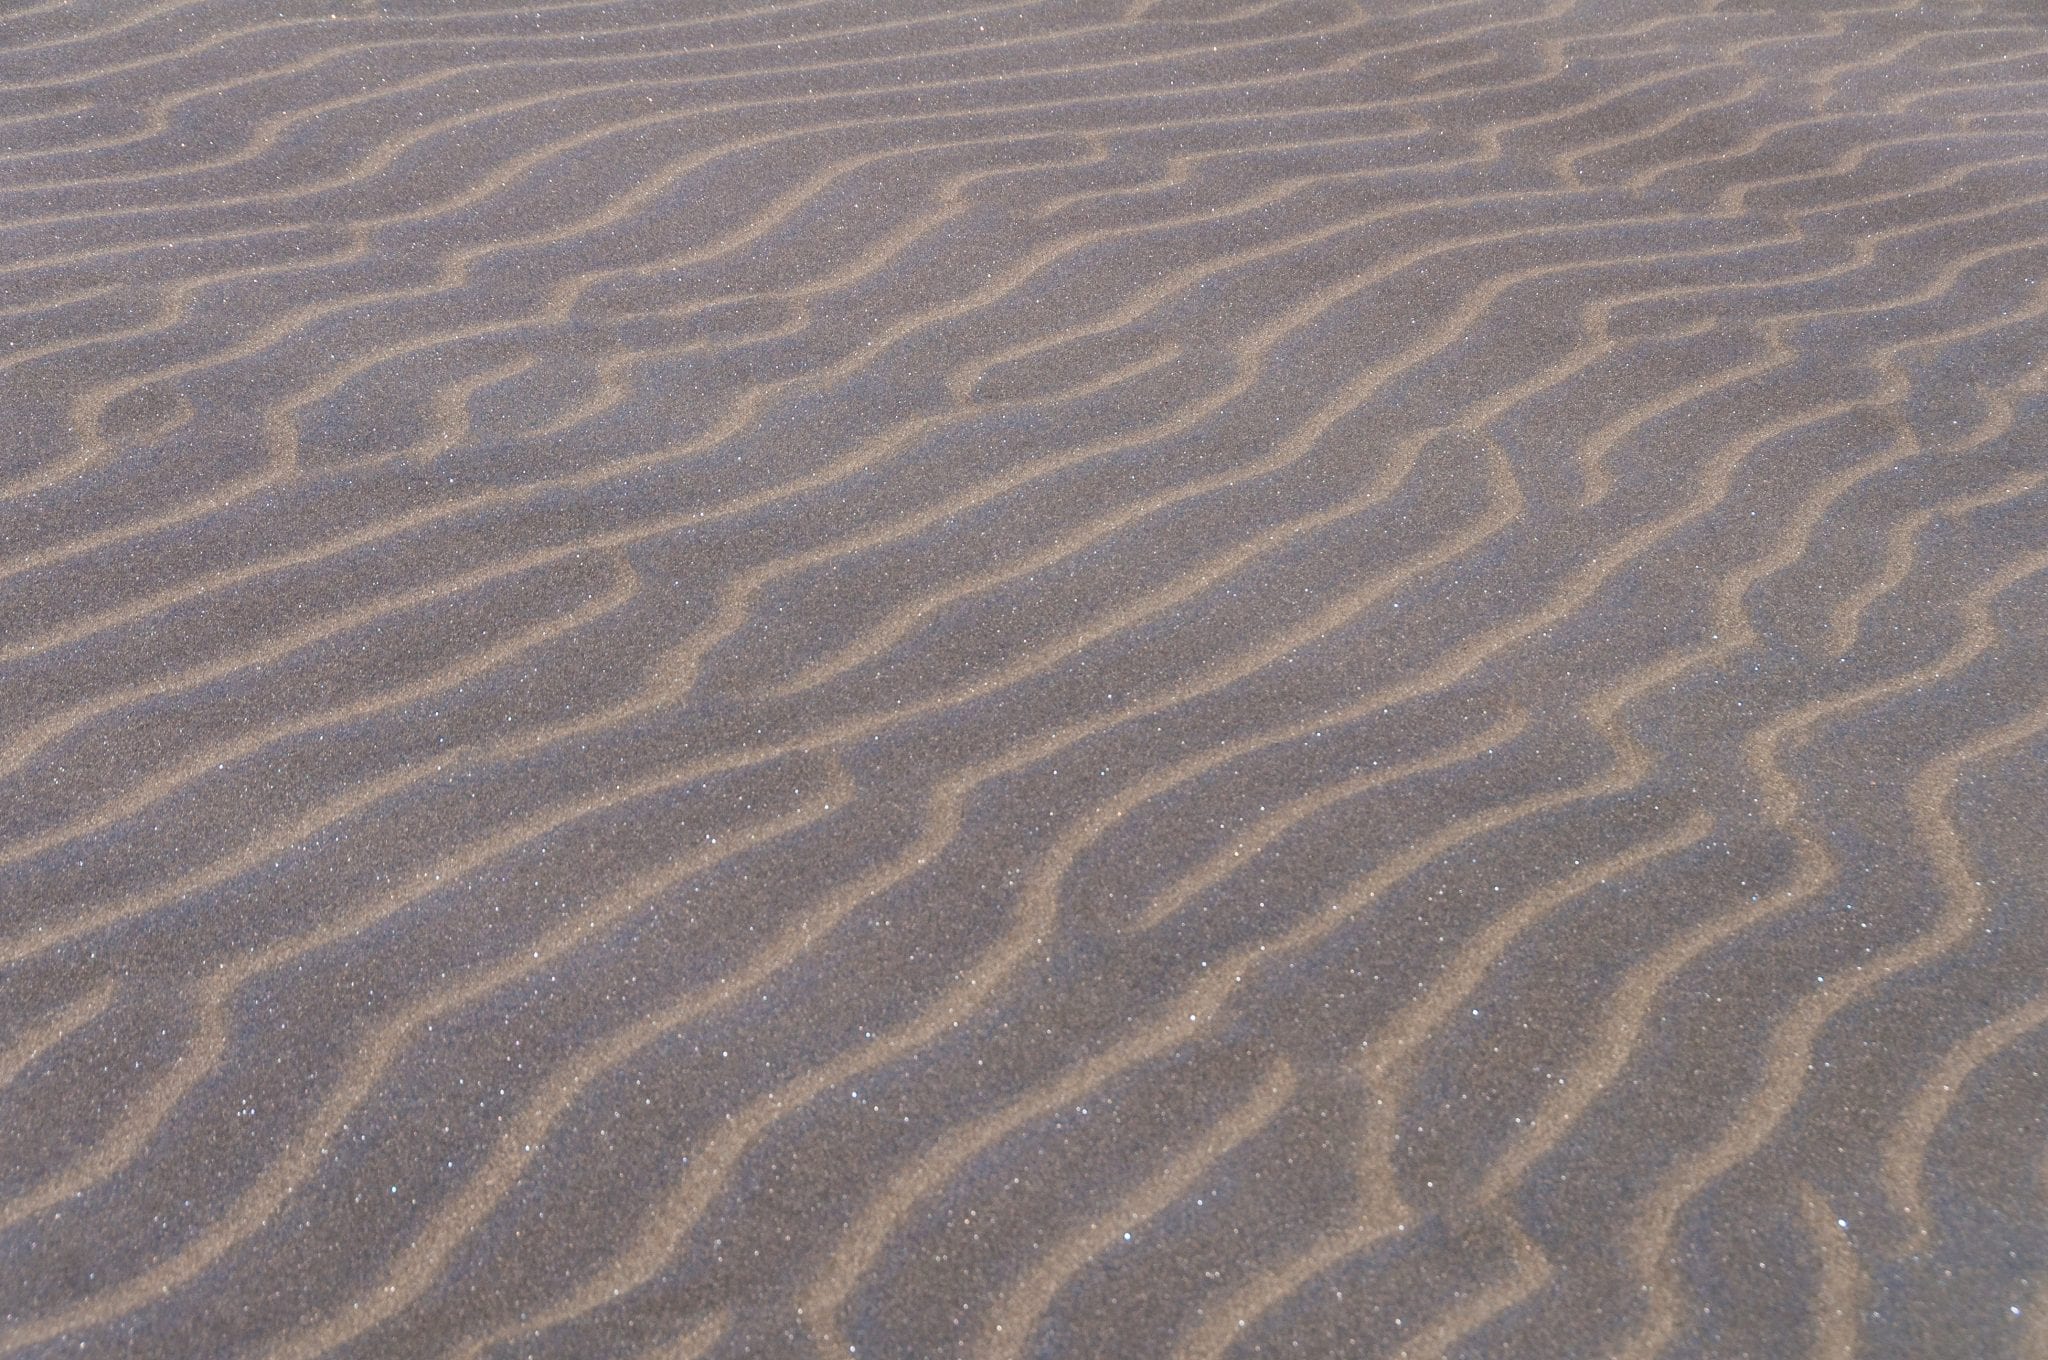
(1079, 677)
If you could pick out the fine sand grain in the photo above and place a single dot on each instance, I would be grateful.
(1071, 678)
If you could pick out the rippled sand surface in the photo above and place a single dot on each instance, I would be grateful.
(1063, 678)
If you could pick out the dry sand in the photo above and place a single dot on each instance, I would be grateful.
(1066, 678)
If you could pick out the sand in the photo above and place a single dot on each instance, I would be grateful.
(1063, 678)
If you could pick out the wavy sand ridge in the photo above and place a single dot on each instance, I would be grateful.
(1084, 677)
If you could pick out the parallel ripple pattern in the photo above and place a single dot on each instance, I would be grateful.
(910, 678)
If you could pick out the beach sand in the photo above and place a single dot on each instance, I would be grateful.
(1065, 678)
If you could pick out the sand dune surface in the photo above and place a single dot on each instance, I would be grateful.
(1099, 678)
